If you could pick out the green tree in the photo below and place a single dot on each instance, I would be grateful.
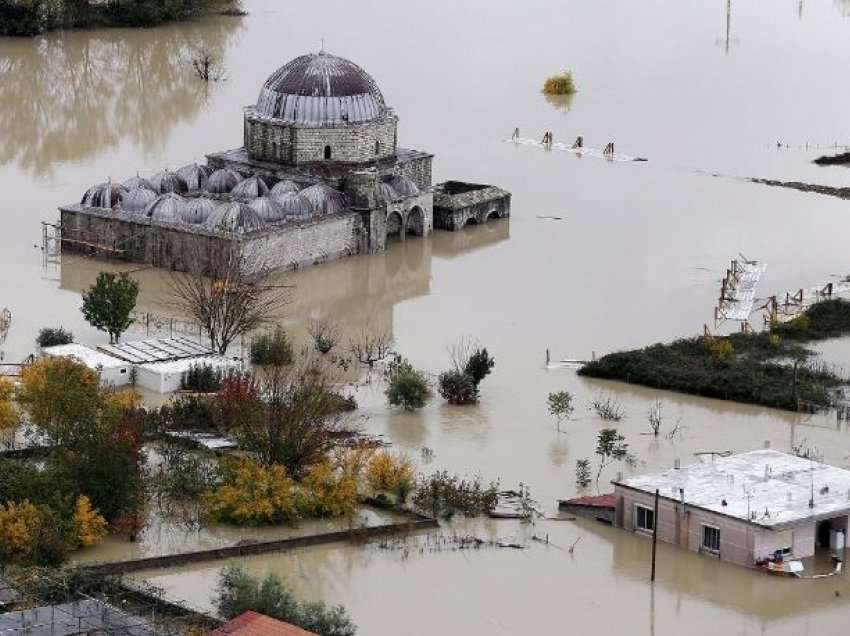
(560, 405)
(108, 303)
(479, 365)
(611, 447)
(406, 387)
(457, 387)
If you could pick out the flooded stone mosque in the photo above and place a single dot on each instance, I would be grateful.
(320, 176)
(596, 257)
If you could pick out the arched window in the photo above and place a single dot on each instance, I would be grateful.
(377, 148)
(274, 150)
(327, 152)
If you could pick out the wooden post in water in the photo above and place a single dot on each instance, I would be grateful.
(654, 535)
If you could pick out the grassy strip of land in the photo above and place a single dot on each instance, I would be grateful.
(770, 368)
(31, 17)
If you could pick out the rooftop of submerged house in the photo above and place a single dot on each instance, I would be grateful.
(774, 489)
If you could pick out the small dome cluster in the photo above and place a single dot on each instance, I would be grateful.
(397, 187)
(220, 200)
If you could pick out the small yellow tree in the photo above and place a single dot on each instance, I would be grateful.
(389, 472)
(8, 412)
(329, 491)
(253, 495)
(89, 527)
(19, 525)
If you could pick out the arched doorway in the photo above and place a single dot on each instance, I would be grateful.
(328, 152)
(395, 227)
(471, 221)
(492, 215)
(415, 222)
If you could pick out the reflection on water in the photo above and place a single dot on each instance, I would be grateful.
(562, 103)
(69, 96)
(357, 293)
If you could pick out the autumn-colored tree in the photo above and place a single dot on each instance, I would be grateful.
(390, 472)
(8, 412)
(329, 491)
(253, 495)
(89, 526)
(108, 303)
(62, 398)
(29, 535)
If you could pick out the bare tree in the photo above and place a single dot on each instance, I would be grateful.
(289, 415)
(371, 347)
(225, 297)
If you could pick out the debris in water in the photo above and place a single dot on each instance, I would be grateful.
(550, 218)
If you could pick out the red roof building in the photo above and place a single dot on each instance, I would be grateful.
(255, 624)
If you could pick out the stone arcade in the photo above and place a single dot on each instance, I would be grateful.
(320, 176)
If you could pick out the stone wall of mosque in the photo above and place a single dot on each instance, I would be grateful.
(122, 236)
(274, 140)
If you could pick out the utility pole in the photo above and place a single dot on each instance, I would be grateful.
(654, 535)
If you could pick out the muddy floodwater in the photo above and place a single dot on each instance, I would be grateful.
(709, 92)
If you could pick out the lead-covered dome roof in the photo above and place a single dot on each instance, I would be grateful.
(321, 89)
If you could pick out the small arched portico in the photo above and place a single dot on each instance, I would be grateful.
(395, 227)
(415, 224)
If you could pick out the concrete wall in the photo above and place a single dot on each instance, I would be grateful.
(685, 527)
(275, 140)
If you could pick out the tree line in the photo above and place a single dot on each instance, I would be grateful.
(31, 17)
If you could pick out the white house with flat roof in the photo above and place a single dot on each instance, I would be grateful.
(742, 508)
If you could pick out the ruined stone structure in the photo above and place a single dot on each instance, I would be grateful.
(320, 176)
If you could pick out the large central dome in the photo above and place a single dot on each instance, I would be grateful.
(321, 89)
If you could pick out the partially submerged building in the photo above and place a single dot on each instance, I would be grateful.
(745, 509)
(320, 176)
(156, 364)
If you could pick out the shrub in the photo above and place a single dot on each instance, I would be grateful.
(392, 473)
(51, 337)
(794, 328)
(406, 387)
(252, 495)
(608, 408)
(8, 412)
(721, 349)
(202, 378)
(89, 526)
(328, 491)
(479, 365)
(271, 349)
(238, 592)
(29, 535)
(443, 495)
(583, 478)
(560, 84)
(456, 387)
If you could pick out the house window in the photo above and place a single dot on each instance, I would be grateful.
(711, 538)
(327, 152)
(644, 518)
(377, 148)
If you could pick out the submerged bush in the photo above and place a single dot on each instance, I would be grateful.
(444, 495)
(271, 349)
(560, 84)
(456, 387)
(407, 387)
(202, 378)
(388, 472)
(53, 336)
